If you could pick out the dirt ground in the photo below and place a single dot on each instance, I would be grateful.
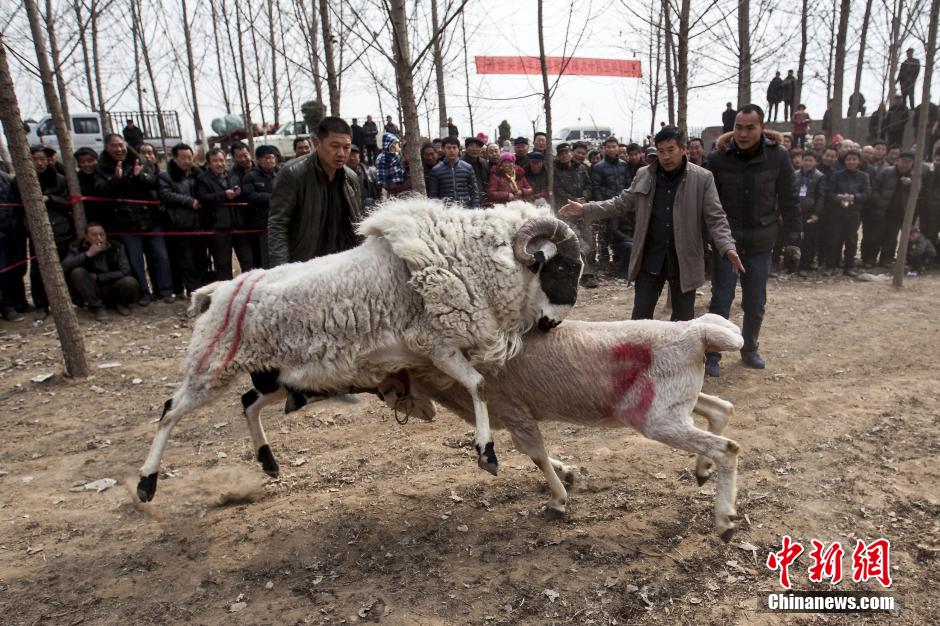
(373, 521)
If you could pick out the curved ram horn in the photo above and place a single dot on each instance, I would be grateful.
(545, 227)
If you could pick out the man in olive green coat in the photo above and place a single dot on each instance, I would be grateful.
(316, 201)
(674, 201)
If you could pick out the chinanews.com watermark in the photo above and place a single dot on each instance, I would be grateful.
(870, 561)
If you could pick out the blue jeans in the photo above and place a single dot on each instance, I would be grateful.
(157, 259)
(753, 294)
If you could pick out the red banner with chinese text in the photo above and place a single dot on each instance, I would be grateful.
(570, 66)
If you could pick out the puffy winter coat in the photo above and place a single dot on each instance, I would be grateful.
(177, 192)
(210, 191)
(853, 182)
(457, 182)
(128, 216)
(572, 181)
(609, 177)
(757, 188)
(812, 192)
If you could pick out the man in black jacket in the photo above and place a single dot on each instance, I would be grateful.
(756, 186)
(846, 193)
(357, 135)
(256, 191)
(609, 177)
(189, 254)
(132, 185)
(219, 193)
(893, 187)
(810, 183)
(774, 96)
(907, 77)
(453, 179)
(316, 200)
(55, 194)
(98, 270)
(132, 134)
(370, 137)
(727, 118)
(481, 168)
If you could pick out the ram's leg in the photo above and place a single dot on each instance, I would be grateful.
(457, 367)
(717, 412)
(527, 438)
(565, 473)
(192, 394)
(681, 433)
(266, 391)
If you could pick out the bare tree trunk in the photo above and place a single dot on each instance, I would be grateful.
(58, 117)
(804, 42)
(404, 77)
(328, 58)
(145, 49)
(96, 57)
(70, 336)
(290, 82)
(744, 53)
(57, 63)
(547, 102)
(670, 94)
(274, 80)
(894, 47)
(835, 114)
(191, 66)
(654, 78)
(861, 53)
(920, 131)
(682, 67)
(135, 36)
(466, 71)
(76, 6)
(218, 55)
(832, 49)
(254, 45)
(313, 48)
(243, 78)
(439, 69)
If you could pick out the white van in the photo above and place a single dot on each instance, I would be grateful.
(87, 130)
(592, 135)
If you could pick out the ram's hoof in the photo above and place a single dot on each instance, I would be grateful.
(487, 459)
(268, 464)
(728, 534)
(553, 514)
(701, 480)
(146, 487)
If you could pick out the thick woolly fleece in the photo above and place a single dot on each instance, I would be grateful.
(427, 279)
(476, 295)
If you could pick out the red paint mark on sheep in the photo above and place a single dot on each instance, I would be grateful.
(236, 342)
(201, 366)
(631, 376)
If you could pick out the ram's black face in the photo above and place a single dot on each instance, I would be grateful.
(558, 279)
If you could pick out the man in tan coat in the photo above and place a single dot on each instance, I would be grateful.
(672, 200)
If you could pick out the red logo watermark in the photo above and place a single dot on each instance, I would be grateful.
(869, 561)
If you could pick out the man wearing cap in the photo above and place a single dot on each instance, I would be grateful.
(473, 154)
(650, 155)
(893, 187)
(132, 135)
(537, 176)
(453, 179)
(572, 181)
(673, 201)
(520, 146)
(54, 161)
(257, 186)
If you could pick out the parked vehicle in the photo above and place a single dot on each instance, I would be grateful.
(283, 137)
(87, 129)
(592, 135)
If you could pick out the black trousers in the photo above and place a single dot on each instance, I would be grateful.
(221, 245)
(648, 288)
(845, 239)
(889, 236)
(97, 294)
(189, 260)
(809, 245)
(36, 287)
(873, 223)
(371, 152)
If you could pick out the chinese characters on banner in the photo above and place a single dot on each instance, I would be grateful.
(570, 66)
(872, 560)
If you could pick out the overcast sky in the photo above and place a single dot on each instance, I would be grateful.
(499, 28)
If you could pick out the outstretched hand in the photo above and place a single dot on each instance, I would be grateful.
(572, 209)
